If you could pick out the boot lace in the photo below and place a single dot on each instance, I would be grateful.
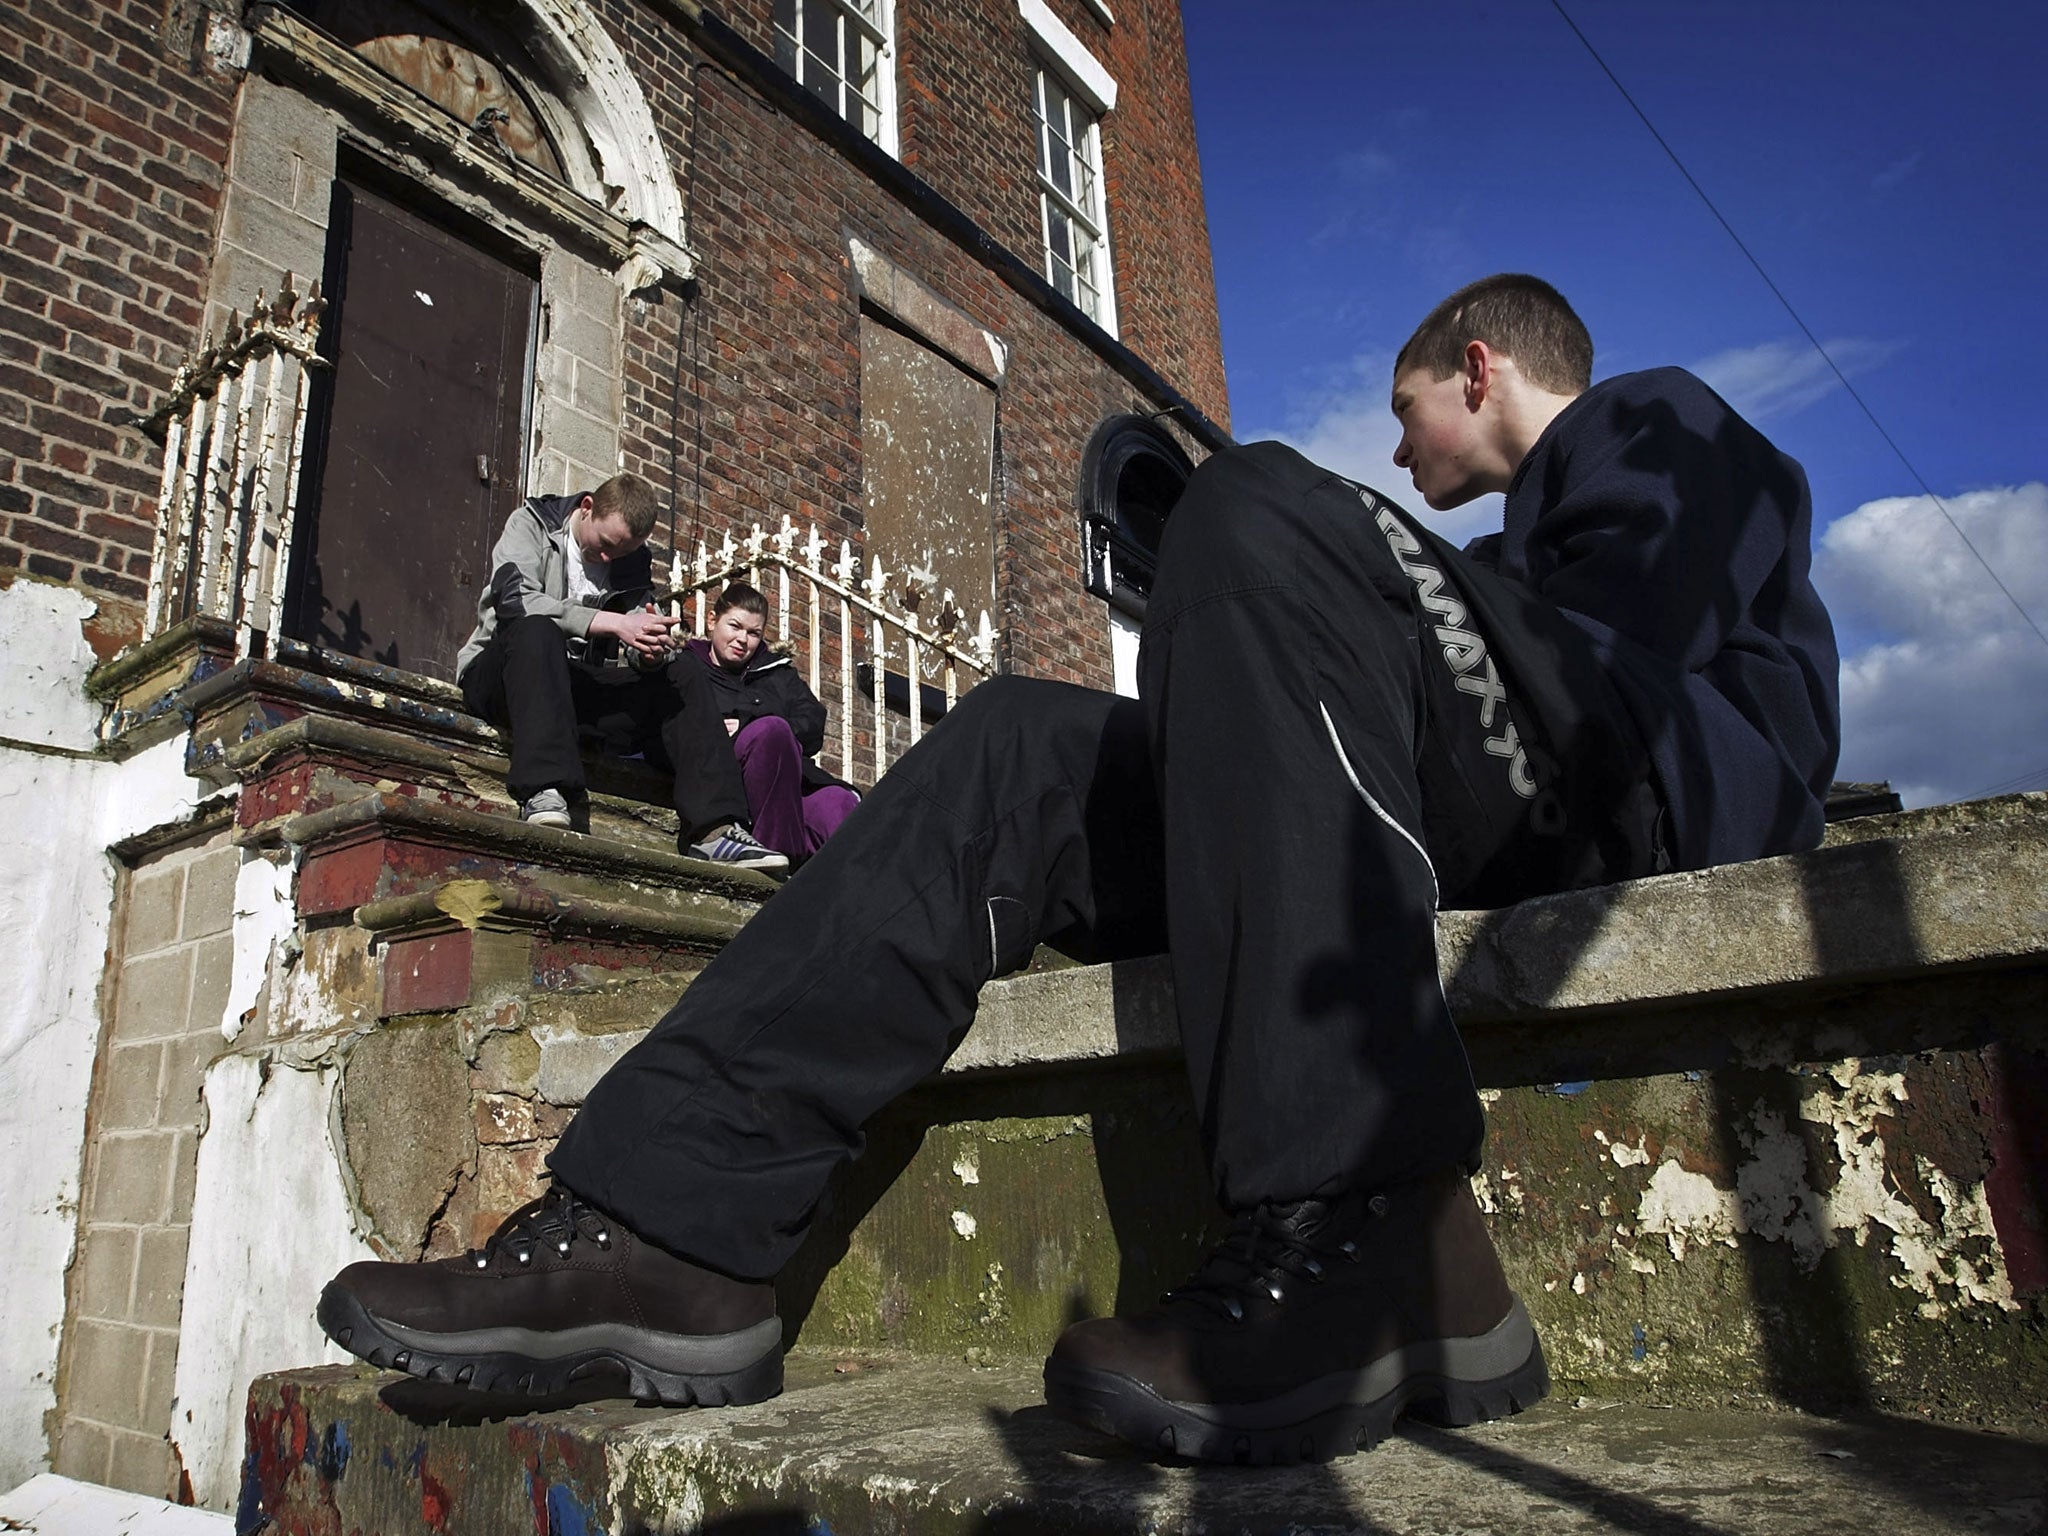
(1266, 1249)
(556, 1220)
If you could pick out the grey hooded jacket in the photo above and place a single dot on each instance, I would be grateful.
(530, 576)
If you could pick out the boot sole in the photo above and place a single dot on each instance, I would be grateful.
(1455, 1382)
(675, 1370)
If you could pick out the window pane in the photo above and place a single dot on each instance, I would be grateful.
(824, 46)
(822, 80)
(821, 33)
(1059, 169)
(1059, 249)
(1068, 147)
(863, 78)
(785, 35)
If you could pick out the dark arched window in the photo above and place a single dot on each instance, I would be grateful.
(1131, 475)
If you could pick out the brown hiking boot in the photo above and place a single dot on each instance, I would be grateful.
(561, 1294)
(1310, 1331)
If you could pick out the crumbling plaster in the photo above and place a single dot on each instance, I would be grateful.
(271, 1222)
(1950, 1263)
(61, 806)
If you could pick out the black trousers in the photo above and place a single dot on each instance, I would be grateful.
(527, 683)
(1328, 746)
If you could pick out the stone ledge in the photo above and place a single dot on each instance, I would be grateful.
(475, 840)
(1952, 895)
(1942, 912)
(866, 1444)
(1951, 888)
(318, 760)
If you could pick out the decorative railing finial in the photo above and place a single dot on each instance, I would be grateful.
(231, 468)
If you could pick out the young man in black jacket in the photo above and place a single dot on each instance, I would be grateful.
(1635, 675)
(567, 647)
(777, 726)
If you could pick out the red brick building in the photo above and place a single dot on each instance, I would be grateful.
(165, 162)
(931, 276)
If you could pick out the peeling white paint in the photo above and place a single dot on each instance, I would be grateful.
(60, 806)
(1864, 1200)
(1624, 1155)
(1686, 1207)
(1956, 1261)
(270, 1226)
(963, 1224)
(42, 635)
(884, 1485)
(966, 1169)
(49, 1505)
(305, 1004)
(264, 925)
(1779, 1202)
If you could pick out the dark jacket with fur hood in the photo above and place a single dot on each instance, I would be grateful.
(771, 685)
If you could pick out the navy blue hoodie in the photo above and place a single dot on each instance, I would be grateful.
(1680, 540)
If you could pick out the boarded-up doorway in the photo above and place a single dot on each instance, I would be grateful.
(422, 447)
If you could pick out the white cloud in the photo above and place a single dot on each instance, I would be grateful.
(1947, 701)
(1347, 426)
(1782, 378)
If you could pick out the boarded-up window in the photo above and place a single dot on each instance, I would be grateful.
(928, 443)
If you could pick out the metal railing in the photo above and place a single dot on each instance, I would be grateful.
(938, 648)
(233, 428)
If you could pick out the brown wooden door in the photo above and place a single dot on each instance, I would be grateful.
(421, 452)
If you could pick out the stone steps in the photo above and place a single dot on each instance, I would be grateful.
(1727, 1202)
(864, 1443)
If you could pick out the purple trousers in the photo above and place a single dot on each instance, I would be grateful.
(787, 817)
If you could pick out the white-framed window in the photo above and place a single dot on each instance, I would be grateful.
(1070, 197)
(843, 53)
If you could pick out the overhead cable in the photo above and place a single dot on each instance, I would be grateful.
(1805, 329)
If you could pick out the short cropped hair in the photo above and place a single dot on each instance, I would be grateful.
(632, 498)
(747, 599)
(1514, 313)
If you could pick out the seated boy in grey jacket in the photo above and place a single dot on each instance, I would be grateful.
(568, 648)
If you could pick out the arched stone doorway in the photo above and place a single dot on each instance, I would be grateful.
(481, 186)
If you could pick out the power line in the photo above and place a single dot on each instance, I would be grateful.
(2014, 784)
(1805, 330)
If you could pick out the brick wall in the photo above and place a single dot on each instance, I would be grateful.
(1159, 226)
(167, 991)
(109, 188)
(964, 93)
(768, 380)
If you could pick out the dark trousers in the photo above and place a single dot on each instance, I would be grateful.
(526, 683)
(1327, 747)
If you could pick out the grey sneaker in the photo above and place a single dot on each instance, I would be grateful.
(549, 808)
(733, 844)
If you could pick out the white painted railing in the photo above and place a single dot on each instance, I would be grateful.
(233, 429)
(938, 648)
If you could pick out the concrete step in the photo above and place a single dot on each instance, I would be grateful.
(1755, 1191)
(880, 1444)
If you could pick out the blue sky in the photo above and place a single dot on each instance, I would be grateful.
(1885, 162)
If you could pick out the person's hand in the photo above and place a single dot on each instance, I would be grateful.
(645, 632)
